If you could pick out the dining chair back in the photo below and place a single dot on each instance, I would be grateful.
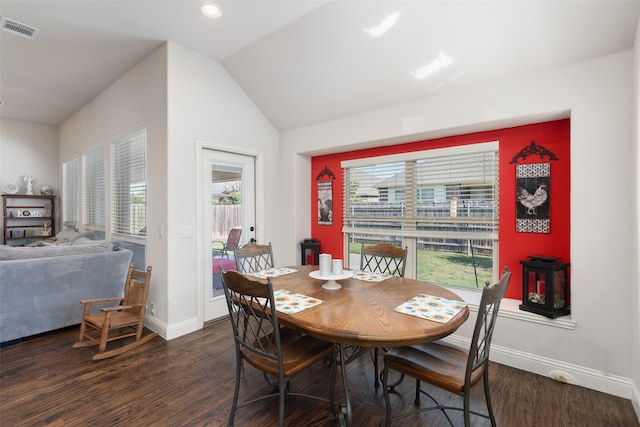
(260, 341)
(222, 249)
(383, 258)
(449, 367)
(253, 257)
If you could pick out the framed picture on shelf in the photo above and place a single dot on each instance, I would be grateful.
(16, 233)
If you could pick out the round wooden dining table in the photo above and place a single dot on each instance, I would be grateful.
(361, 313)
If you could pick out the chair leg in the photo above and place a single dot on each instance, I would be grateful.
(236, 391)
(487, 395)
(376, 383)
(417, 399)
(83, 328)
(282, 389)
(332, 399)
(467, 414)
(387, 402)
(104, 336)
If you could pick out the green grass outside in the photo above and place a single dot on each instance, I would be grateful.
(449, 268)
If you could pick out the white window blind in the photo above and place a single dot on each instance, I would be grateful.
(93, 186)
(70, 192)
(436, 194)
(129, 185)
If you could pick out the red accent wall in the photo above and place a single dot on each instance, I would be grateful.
(554, 136)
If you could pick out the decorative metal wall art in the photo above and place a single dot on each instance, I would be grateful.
(325, 196)
(532, 198)
(533, 149)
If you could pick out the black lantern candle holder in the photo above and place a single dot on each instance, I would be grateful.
(545, 286)
(310, 249)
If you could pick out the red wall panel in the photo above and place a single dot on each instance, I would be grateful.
(554, 136)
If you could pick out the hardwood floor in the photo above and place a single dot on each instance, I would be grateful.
(189, 381)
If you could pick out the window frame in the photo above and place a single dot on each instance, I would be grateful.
(94, 209)
(129, 179)
(406, 227)
(71, 192)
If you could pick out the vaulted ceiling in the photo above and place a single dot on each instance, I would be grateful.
(301, 61)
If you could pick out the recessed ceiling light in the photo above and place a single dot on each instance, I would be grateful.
(211, 10)
(386, 24)
(438, 63)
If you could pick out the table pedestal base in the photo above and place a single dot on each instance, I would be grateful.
(331, 285)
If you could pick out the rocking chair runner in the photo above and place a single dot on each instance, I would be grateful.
(127, 319)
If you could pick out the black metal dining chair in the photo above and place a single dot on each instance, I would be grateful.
(383, 258)
(449, 367)
(260, 341)
(253, 257)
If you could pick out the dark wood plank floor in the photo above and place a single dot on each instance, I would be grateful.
(189, 381)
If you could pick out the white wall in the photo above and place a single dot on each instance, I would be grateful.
(206, 106)
(185, 99)
(597, 97)
(139, 96)
(29, 149)
(635, 320)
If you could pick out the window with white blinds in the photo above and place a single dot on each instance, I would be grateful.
(442, 200)
(129, 185)
(93, 186)
(70, 192)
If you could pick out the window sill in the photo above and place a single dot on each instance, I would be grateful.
(509, 308)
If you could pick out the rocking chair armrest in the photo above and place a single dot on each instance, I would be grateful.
(97, 300)
(120, 307)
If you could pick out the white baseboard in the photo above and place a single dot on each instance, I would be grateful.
(175, 331)
(635, 399)
(574, 374)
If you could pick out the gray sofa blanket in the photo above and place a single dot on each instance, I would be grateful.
(41, 294)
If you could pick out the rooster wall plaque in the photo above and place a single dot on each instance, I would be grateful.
(532, 198)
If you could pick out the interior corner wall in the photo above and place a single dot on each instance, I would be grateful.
(597, 96)
(29, 149)
(137, 97)
(514, 246)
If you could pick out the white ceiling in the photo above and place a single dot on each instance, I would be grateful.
(301, 61)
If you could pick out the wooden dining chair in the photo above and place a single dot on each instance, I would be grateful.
(222, 249)
(449, 367)
(260, 341)
(253, 257)
(381, 258)
(124, 320)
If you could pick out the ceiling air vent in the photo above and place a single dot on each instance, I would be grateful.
(18, 28)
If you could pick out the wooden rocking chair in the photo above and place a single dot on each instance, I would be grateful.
(126, 319)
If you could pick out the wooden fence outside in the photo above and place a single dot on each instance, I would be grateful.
(223, 219)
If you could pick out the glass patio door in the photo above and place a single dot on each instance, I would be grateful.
(229, 218)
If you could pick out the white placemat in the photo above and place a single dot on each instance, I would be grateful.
(272, 272)
(431, 307)
(370, 277)
(290, 302)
